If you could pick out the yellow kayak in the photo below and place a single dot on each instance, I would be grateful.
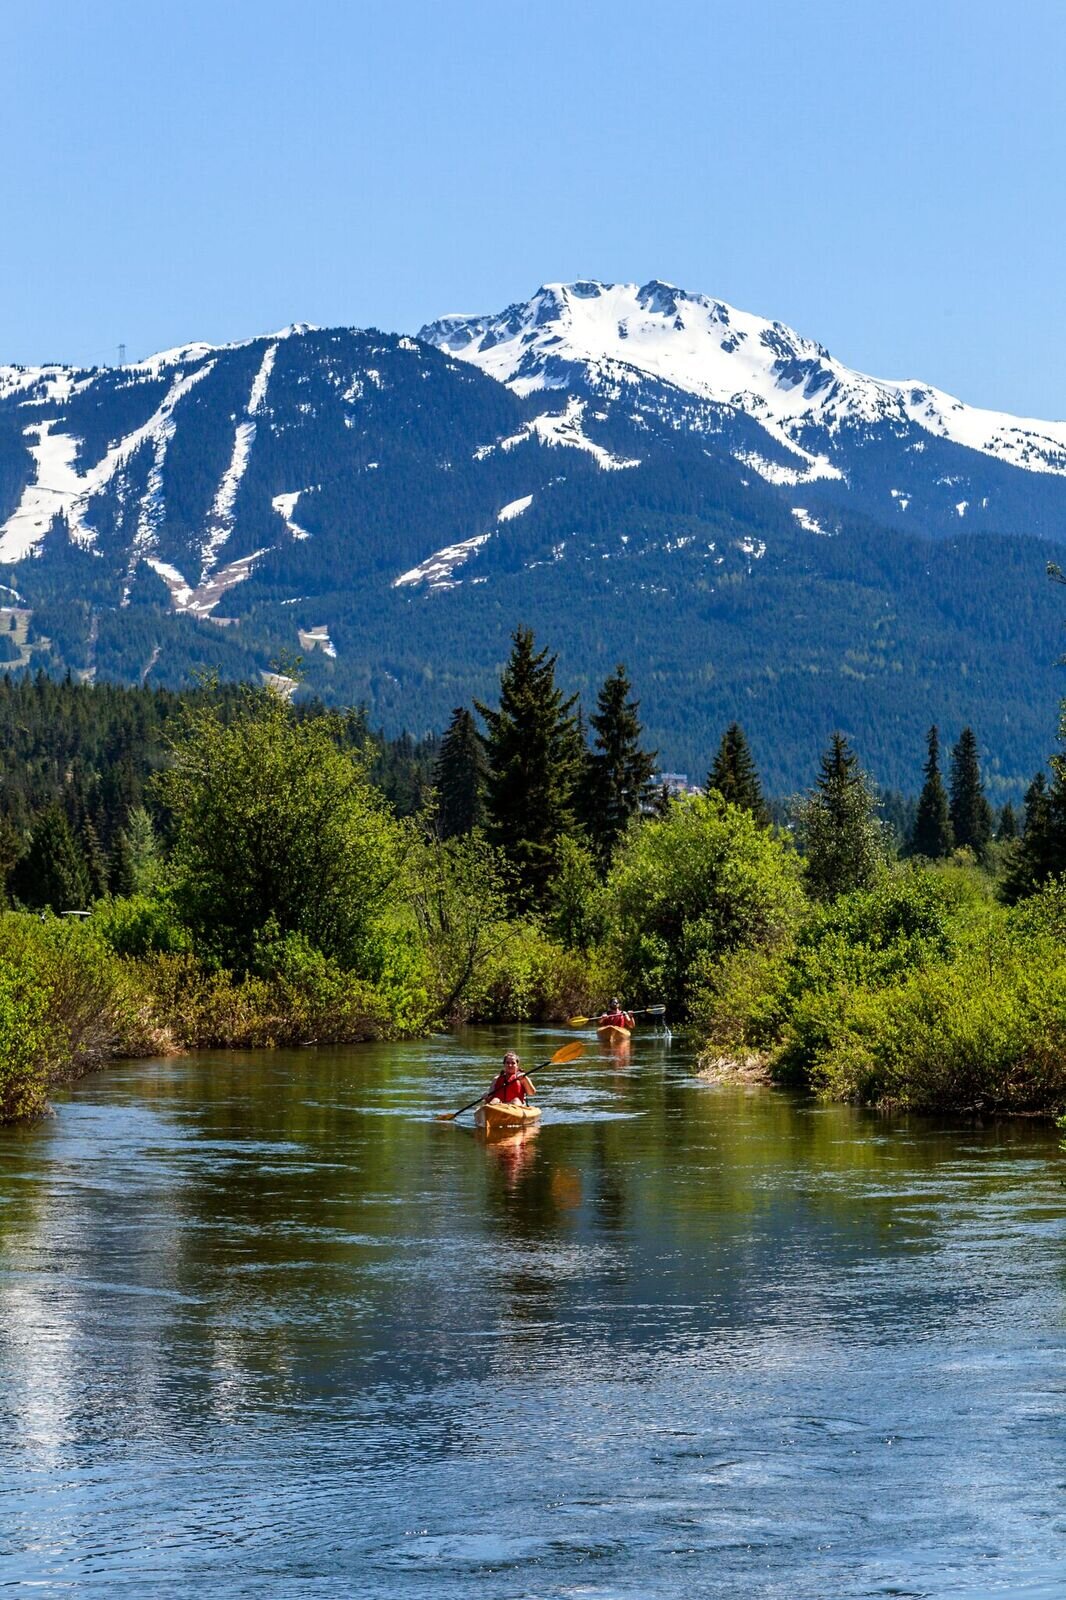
(609, 1034)
(493, 1116)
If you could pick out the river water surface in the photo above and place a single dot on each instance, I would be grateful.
(266, 1328)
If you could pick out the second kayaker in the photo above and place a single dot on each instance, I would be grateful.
(617, 1018)
(511, 1084)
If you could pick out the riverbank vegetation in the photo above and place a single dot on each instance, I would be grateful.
(228, 868)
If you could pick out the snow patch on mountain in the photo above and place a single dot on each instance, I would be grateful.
(778, 473)
(220, 517)
(317, 639)
(436, 571)
(202, 600)
(285, 506)
(59, 489)
(622, 334)
(150, 513)
(560, 430)
(259, 385)
(808, 523)
(514, 508)
(48, 383)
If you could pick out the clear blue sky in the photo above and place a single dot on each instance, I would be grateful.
(888, 178)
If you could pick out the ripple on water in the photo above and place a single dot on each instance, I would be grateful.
(265, 1324)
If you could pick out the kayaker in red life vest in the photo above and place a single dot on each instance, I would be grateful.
(511, 1085)
(617, 1018)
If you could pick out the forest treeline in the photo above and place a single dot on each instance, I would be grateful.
(224, 867)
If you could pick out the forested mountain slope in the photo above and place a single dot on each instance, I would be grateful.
(640, 474)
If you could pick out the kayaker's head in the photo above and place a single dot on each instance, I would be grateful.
(616, 1004)
(510, 1064)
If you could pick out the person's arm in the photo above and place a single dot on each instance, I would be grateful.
(528, 1086)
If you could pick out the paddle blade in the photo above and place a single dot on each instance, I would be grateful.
(569, 1052)
(578, 1022)
(655, 1011)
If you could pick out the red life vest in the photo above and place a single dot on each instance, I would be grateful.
(508, 1089)
(616, 1019)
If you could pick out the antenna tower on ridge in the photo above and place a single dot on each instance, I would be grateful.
(122, 355)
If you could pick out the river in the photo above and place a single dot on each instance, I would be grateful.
(265, 1327)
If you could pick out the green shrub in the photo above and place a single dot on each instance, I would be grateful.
(533, 978)
(139, 925)
(953, 1036)
(688, 889)
(301, 997)
(66, 1004)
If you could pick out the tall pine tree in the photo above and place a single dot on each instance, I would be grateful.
(971, 814)
(617, 770)
(534, 758)
(460, 777)
(932, 836)
(1041, 851)
(733, 774)
(122, 879)
(840, 831)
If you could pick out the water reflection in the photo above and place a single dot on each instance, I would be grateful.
(726, 1341)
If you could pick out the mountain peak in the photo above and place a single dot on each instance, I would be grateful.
(606, 334)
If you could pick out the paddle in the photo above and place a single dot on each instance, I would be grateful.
(568, 1052)
(649, 1011)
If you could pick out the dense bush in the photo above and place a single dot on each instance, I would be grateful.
(922, 992)
(66, 1003)
(704, 880)
(307, 999)
(140, 925)
(532, 977)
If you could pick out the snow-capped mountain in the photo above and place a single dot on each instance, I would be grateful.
(614, 337)
(642, 473)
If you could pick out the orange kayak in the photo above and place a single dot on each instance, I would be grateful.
(609, 1034)
(494, 1117)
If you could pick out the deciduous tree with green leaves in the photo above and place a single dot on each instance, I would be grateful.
(276, 825)
(691, 886)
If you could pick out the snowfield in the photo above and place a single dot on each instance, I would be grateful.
(619, 334)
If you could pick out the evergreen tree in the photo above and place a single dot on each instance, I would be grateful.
(96, 864)
(734, 776)
(460, 777)
(617, 770)
(1008, 824)
(534, 760)
(10, 850)
(122, 878)
(1041, 852)
(971, 814)
(841, 835)
(53, 871)
(932, 836)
